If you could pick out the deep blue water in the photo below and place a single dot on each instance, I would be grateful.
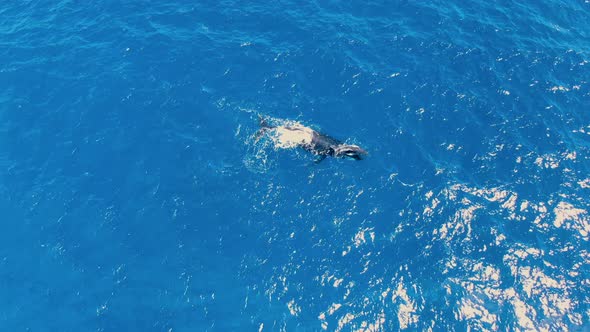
(133, 197)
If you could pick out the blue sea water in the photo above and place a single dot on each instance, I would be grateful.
(133, 196)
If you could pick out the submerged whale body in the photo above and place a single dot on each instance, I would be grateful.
(294, 135)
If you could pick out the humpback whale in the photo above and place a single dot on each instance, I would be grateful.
(294, 134)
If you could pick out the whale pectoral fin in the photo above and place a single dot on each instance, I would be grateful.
(263, 122)
(259, 134)
(320, 158)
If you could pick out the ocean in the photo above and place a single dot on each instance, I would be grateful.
(135, 197)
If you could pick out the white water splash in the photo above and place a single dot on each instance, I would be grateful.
(291, 136)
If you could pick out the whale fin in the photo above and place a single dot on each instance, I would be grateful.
(260, 133)
(320, 159)
(263, 123)
(264, 127)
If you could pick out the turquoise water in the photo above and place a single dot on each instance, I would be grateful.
(133, 196)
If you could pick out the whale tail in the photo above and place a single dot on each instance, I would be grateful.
(350, 151)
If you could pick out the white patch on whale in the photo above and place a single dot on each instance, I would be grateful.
(291, 136)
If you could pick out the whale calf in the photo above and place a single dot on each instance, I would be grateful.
(294, 134)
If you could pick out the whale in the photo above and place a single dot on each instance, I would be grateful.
(292, 134)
